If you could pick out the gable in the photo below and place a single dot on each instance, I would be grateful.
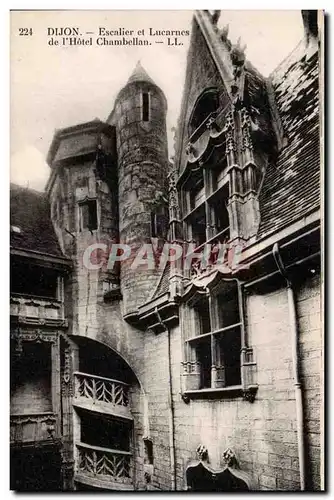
(201, 74)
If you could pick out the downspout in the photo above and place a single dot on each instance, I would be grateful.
(170, 405)
(295, 365)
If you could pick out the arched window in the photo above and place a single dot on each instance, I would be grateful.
(207, 103)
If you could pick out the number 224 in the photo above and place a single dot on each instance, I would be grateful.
(25, 31)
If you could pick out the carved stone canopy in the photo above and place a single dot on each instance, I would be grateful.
(200, 476)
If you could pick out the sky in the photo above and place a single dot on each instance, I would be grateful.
(58, 86)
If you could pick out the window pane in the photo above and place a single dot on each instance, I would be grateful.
(33, 280)
(84, 216)
(160, 222)
(203, 313)
(92, 222)
(197, 195)
(228, 307)
(228, 355)
(145, 107)
(198, 226)
(220, 212)
(203, 356)
(105, 432)
(208, 103)
(217, 174)
(88, 215)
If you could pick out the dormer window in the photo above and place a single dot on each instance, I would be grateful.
(145, 106)
(207, 103)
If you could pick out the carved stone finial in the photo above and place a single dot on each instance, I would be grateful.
(190, 150)
(202, 452)
(174, 209)
(230, 458)
(224, 32)
(215, 16)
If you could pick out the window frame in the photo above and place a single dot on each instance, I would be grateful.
(207, 204)
(86, 203)
(192, 377)
(159, 222)
(145, 107)
(216, 332)
(194, 127)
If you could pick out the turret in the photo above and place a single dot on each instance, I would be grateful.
(82, 191)
(139, 117)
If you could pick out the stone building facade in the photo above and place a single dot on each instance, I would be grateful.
(120, 373)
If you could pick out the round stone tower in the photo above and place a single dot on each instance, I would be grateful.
(139, 117)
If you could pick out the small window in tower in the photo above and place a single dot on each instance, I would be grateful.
(146, 106)
(159, 222)
(88, 215)
(148, 458)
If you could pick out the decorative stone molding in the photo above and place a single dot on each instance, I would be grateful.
(246, 126)
(248, 370)
(202, 453)
(67, 365)
(249, 394)
(190, 149)
(229, 458)
(174, 208)
(191, 376)
(32, 428)
(200, 476)
(35, 336)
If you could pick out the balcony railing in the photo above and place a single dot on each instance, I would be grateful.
(36, 309)
(32, 428)
(110, 467)
(101, 393)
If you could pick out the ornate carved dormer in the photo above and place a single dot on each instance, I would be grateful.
(235, 138)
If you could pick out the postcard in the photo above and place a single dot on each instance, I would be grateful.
(166, 302)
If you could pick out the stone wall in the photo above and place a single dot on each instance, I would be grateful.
(263, 434)
(312, 369)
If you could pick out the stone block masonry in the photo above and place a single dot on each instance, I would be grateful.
(143, 164)
(262, 434)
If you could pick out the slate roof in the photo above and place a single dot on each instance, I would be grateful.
(31, 226)
(291, 186)
(140, 75)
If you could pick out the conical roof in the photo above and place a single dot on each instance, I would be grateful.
(140, 75)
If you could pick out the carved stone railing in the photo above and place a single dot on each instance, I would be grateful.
(103, 465)
(101, 393)
(32, 428)
(36, 310)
